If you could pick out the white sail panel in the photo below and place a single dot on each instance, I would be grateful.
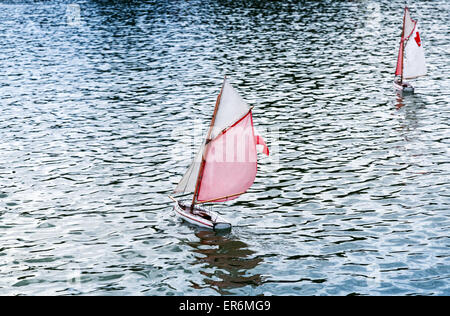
(189, 180)
(409, 24)
(414, 57)
(231, 108)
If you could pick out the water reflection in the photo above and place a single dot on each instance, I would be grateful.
(229, 259)
(399, 100)
(409, 107)
(413, 101)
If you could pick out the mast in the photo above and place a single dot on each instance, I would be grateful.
(403, 44)
(208, 135)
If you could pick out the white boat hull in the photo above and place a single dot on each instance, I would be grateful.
(200, 216)
(403, 87)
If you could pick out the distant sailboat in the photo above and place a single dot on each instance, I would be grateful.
(411, 57)
(226, 164)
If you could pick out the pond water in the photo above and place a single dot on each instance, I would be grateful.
(103, 105)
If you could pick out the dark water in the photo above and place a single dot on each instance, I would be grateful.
(99, 102)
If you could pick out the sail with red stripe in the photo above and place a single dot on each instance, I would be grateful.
(228, 155)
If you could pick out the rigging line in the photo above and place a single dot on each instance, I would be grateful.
(232, 125)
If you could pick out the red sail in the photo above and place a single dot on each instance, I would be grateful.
(399, 69)
(230, 164)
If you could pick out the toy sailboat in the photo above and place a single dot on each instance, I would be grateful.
(226, 163)
(411, 57)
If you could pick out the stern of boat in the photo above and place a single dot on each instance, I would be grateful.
(404, 87)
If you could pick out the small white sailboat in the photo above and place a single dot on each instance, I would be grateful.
(411, 56)
(226, 163)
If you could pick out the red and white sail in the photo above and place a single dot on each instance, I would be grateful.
(226, 164)
(414, 57)
(411, 56)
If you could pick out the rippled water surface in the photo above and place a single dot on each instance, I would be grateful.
(99, 105)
